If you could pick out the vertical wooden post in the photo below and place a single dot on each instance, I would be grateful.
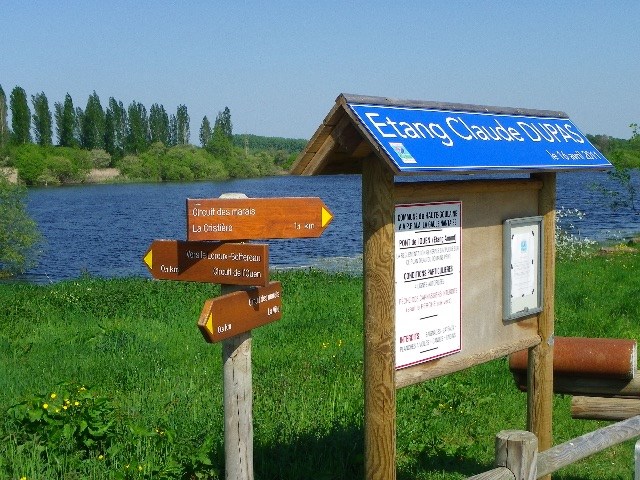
(379, 320)
(238, 397)
(540, 367)
(238, 407)
(518, 451)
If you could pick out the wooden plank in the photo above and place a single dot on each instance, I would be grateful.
(214, 262)
(604, 408)
(237, 312)
(437, 368)
(225, 219)
(581, 447)
(379, 311)
(540, 378)
(409, 192)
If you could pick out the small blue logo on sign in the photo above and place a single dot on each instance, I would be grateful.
(402, 152)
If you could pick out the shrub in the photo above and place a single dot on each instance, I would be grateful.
(19, 236)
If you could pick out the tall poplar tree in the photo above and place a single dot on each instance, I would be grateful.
(138, 131)
(223, 122)
(93, 122)
(173, 130)
(205, 132)
(20, 117)
(4, 126)
(158, 124)
(182, 125)
(42, 125)
(115, 128)
(65, 117)
(77, 125)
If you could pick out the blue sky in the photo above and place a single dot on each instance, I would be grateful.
(280, 65)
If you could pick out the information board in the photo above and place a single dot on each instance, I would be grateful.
(424, 140)
(427, 281)
(522, 264)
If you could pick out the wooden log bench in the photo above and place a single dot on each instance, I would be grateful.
(600, 373)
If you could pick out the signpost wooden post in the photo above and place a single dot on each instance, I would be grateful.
(248, 299)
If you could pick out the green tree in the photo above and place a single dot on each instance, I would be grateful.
(115, 129)
(20, 117)
(19, 236)
(221, 144)
(223, 121)
(158, 124)
(93, 124)
(173, 130)
(138, 129)
(4, 126)
(182, 125)
(77, 125)
(42, 125)
(65, 118)
(205, 132)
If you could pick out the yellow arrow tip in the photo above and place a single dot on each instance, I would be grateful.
(209, 323)
(148, 259)
(326, 217)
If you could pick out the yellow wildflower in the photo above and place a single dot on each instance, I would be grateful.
(76, 403)
(53, 395)
(45, 405)
(100, 457)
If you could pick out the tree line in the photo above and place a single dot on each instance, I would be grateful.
(152, 145)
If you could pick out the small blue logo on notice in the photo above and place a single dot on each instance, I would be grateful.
(524, 245)
(402, 152)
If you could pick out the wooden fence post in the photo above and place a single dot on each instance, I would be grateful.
(379, 319)
(518, 451)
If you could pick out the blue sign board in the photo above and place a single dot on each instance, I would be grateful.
(431, 140)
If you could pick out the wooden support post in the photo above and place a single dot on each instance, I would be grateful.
(238, 407)
(518, 451)
(540, 365)
(379, 319)
(238, 397)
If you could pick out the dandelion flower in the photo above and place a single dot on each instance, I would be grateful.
(53, 395)
(45, 405)
(100, 457)
(76, 403)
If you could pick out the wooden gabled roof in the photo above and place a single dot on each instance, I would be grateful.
(342, 142)
(338, 146)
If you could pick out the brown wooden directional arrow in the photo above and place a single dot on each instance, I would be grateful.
(256, 218)
(237, 312)
(215, 262)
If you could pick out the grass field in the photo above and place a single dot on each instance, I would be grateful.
(132, 390)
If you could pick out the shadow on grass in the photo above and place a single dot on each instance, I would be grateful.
(339, 454)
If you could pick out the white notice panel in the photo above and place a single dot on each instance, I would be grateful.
(427, 280)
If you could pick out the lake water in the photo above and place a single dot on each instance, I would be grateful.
(104, 230)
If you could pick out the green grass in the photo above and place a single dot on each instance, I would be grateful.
(135, 346)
